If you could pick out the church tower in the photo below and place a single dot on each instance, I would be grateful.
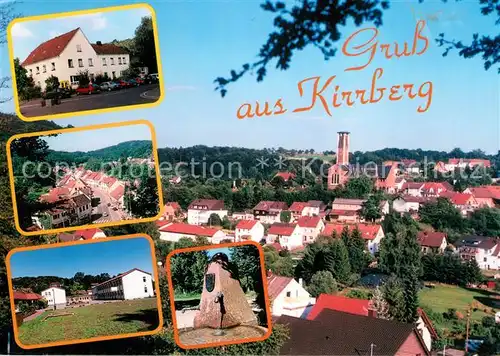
(343, 148)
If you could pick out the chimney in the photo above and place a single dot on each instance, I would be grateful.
(372, 313)
(99, 43)
(343, 148)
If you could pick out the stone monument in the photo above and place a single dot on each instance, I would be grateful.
(223, 302)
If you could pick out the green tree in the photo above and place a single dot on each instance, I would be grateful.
(441, 215)
(379, 303)
(337, 261)
(188, 268)
(214, 220)
(370, 209)
(358, 257)
(485, 221)
(144, 44)
(284, 266)
(393, 294)
(322, 282)
(51, 83)
(285, 216)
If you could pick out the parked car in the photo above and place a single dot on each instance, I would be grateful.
(108, 86)
(139, 81)
(89, 89)
(133, 83)
(123, 83)
(59, 93)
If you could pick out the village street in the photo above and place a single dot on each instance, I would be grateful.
(104, 211)
(132, 96)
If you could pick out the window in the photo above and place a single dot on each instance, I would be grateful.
(44, 68)
(288, 294)
(124, 60)
(144, 279)
(37, 70)
(31, 71)
(53, 66)
(145, 289)
(484, 259)
(70, 63)
(119, 60)
(80, 62)
(104, 61)
(78, 48)
(91, 63)
(112, 61)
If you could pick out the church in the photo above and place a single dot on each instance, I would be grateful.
(338, 174)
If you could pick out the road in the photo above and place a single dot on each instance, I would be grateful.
(143, 94)
(103, 212)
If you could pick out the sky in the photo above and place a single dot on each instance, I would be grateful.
(213, 251)
(89, 140)
(202, 40)
(113, 257)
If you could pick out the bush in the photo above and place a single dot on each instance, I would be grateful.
(358, 294)
(451, 314)
(322, 282)
(488, 321)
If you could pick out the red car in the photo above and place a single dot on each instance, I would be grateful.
(139, 81)
(123, 84)
(89, 89)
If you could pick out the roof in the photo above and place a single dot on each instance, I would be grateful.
(65, 237)
(81, 200)
(281, 229)
(55, 194)
(298, 206)
(338, 333)
(339, 303)
(88, 234)
(344, 212)
(121, 275)
(267, 205)
(430, 239)
(208, 204)
(285, 175)
(308, 221)
(485, 192)
(276, 284)
(482, 242)
(428, 322)
(20, 295)
(457, 198)
(413, 185)
(246, 224)
(470, 161)
(187, 229)
(108, 48)
(348, 201)
(174, 205)
(420, 200)
(50, 49)
(118, 192)
(368, 231)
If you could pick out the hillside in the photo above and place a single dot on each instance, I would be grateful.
(136, 149)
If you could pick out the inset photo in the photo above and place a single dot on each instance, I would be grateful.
(84, 178)
(218, 295)
(90, 291)
(86, 61)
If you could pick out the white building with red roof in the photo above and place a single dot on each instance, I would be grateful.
(464, 202)
(454, 163)
(432, 242)
(249, 230)
(310, 208)
(287, 235)
(346, 210)
(310, 227)
(68, 54)
(409, 203)
(485, 250)
(199, 210)
(371, 233)
(288, 297)
(269, 212)
(486, 196)
(175, 231)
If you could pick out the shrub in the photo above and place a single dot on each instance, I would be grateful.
(358, 294)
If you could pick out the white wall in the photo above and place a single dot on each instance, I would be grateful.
(256, 232)
(134, 286)
(294, 304)
(54, 295)
(199, 217)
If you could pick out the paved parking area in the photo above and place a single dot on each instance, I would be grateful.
(132, 96)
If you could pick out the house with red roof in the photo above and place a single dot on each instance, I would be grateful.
(485, 250)
(464, 202)
(175, 231)
(371, 233)
(310, 227)
(171, 210)
(486, 195)
(64, 56)
(346, 210)
(287, 296)
(25, 296)
(117, 194)
(285, 234)
(199, 210)
(286, 176)
(413, 189)
(309, 208)
(249, 230)
(269, 212)
(435, 189)
(454, 163)
(432, 242)
(88, 234)
(409, 203)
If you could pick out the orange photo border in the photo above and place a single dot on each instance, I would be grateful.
(266, 295)
(92, 339)
(78, 129)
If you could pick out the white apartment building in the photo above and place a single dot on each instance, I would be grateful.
(67, 55)
(133, 284)
(55, 296)
(199, 211)
(310, 227)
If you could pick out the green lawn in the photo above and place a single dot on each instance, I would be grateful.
(179, 297)
(91, 321)
(444, 297)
